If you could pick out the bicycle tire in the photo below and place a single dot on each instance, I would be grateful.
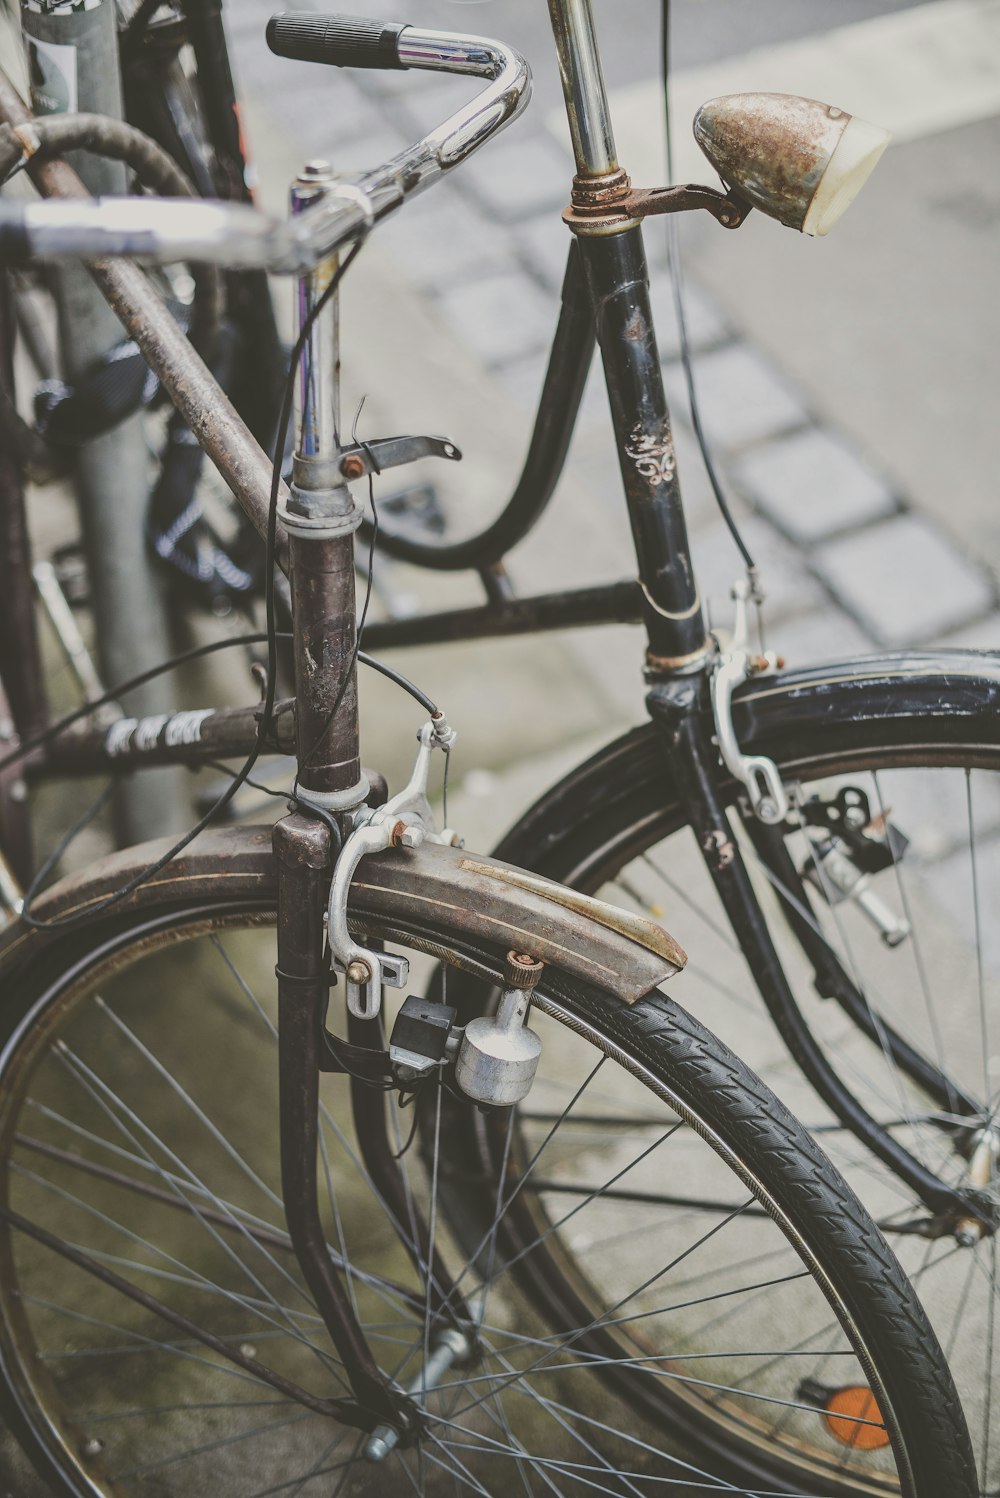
(138, 969)
(921, 735)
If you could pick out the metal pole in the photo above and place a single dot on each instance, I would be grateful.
(205, 407)
(73, 66)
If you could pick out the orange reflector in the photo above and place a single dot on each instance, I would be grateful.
(845, 1409)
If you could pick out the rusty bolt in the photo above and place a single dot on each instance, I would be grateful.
(521, 970)
(719, 848)
(411, 837)
(352, 467)
(397, 834)
(358, 972)
(968, 1231)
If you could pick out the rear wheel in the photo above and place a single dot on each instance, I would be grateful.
(667, 1281)
(918, 752)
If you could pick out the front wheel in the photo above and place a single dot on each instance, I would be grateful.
(670, 1290)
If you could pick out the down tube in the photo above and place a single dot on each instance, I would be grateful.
(619, 289)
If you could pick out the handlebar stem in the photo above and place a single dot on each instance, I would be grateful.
(318, 381)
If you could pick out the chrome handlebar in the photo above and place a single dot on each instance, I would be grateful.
(161, 230)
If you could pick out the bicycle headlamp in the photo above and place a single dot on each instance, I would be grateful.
(797, 160)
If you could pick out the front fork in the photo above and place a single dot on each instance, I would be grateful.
(681, 710)
(302, 852)
(302, 849)
(321, 516)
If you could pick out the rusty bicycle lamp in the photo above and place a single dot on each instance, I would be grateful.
(797, 160)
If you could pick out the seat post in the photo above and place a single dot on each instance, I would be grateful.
(583, 87)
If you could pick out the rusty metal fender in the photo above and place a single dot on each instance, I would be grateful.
(434, 887)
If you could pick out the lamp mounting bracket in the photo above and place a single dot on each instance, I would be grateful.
(602, 203)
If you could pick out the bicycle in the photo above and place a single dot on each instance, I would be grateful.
(861, 914)
(437, 1373)
(186, 539)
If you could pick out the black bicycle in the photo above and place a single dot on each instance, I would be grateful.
(832, 832)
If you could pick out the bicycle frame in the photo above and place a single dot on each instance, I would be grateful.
(679, 655)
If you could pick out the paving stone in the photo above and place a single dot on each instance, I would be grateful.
(245, 22)
(983, 635)
(824, 634)
(421, 100)
(706, 326)
(741, 398)
(518, 177)
(949, 885)
(522, 379)
(346, 116)
(498, 317)
(904, 581)
(345, 129)
(788, 585)
(812, 485)
(614, 655)
(543, 244)
(442, 238)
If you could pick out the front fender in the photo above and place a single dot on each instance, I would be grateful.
(913, 704)
(430, 887)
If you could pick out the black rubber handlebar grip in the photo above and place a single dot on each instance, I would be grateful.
(343, 41)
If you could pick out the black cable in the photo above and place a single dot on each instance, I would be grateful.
(93, 811)
(290, 798)
(267, 716)
(38, 740)
(674, 262)
(123, 688)
(401, 681)
(257, 785)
